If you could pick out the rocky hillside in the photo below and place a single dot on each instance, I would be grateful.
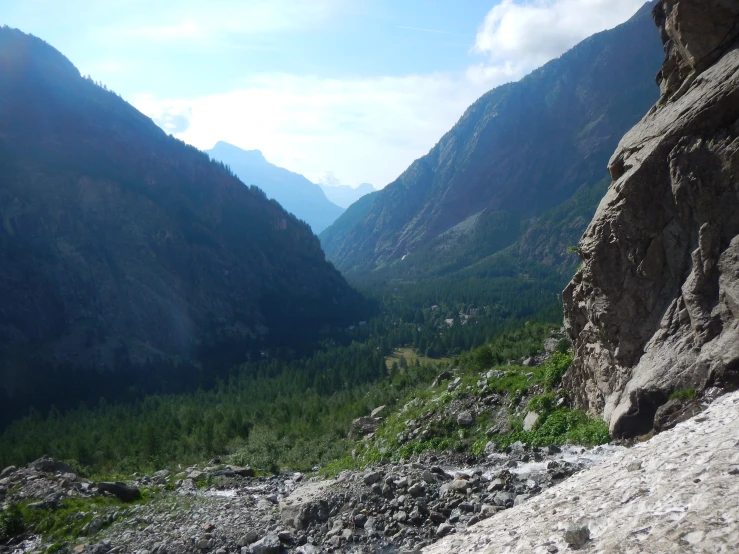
(124, 251)
(521, 498)
(655, 308)
(414, 478)
(520, 150)
(295, 193)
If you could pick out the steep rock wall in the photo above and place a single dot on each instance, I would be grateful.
(655, 307)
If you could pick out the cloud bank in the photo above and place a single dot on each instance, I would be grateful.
(369, 129)
(363, 129)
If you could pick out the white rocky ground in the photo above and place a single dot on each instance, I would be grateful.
(678, 492)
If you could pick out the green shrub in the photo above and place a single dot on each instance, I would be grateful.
(563, 346)
(483, 357)
(542, 404)
(562, 426)
(555, 367)
(683, 394)
(11, 523)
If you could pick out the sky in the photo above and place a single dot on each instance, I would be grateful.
(341, 91)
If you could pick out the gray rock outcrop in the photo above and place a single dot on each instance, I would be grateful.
(364, 426)
(655, 306)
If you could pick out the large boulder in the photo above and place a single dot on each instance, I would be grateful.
(120, 490)
(48, 465)
(655, 306)
(306, 504)
(268, 545)
(364, 426)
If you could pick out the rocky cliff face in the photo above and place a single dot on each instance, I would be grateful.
(655, 307)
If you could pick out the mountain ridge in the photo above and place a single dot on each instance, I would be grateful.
(518, 151)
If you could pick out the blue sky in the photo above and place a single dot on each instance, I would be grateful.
(343, 91)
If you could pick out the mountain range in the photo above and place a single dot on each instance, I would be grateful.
(125, 252)
(295, 193)
(521, 150)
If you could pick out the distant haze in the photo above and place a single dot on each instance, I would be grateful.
(345, 196)
(294, 192)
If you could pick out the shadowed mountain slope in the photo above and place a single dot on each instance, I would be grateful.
(128, 258)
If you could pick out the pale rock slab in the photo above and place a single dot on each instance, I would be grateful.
(684, 497)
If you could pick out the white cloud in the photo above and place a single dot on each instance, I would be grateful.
(329, 179)
(370, 129)
(528, 34)
(364, 129)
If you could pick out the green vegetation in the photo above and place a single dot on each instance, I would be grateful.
(73, 518)
(11, 523)
(282, 412)
(436, 407)
(555, 368)
(683, 394)
(278, 414)
(563, 426)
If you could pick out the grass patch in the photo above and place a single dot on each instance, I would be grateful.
(683, 394)
(11, 523)
(410, 356)
(69, 521)
(562, 426)
(555, 368)
(415, 448)
(517, 379)
(337, 466)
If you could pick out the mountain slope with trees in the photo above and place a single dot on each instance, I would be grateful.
(520, 150)
(129, 261)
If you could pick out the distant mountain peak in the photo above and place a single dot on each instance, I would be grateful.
(293, 191)
(223, 148)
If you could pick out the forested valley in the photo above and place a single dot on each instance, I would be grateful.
(285, 412)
